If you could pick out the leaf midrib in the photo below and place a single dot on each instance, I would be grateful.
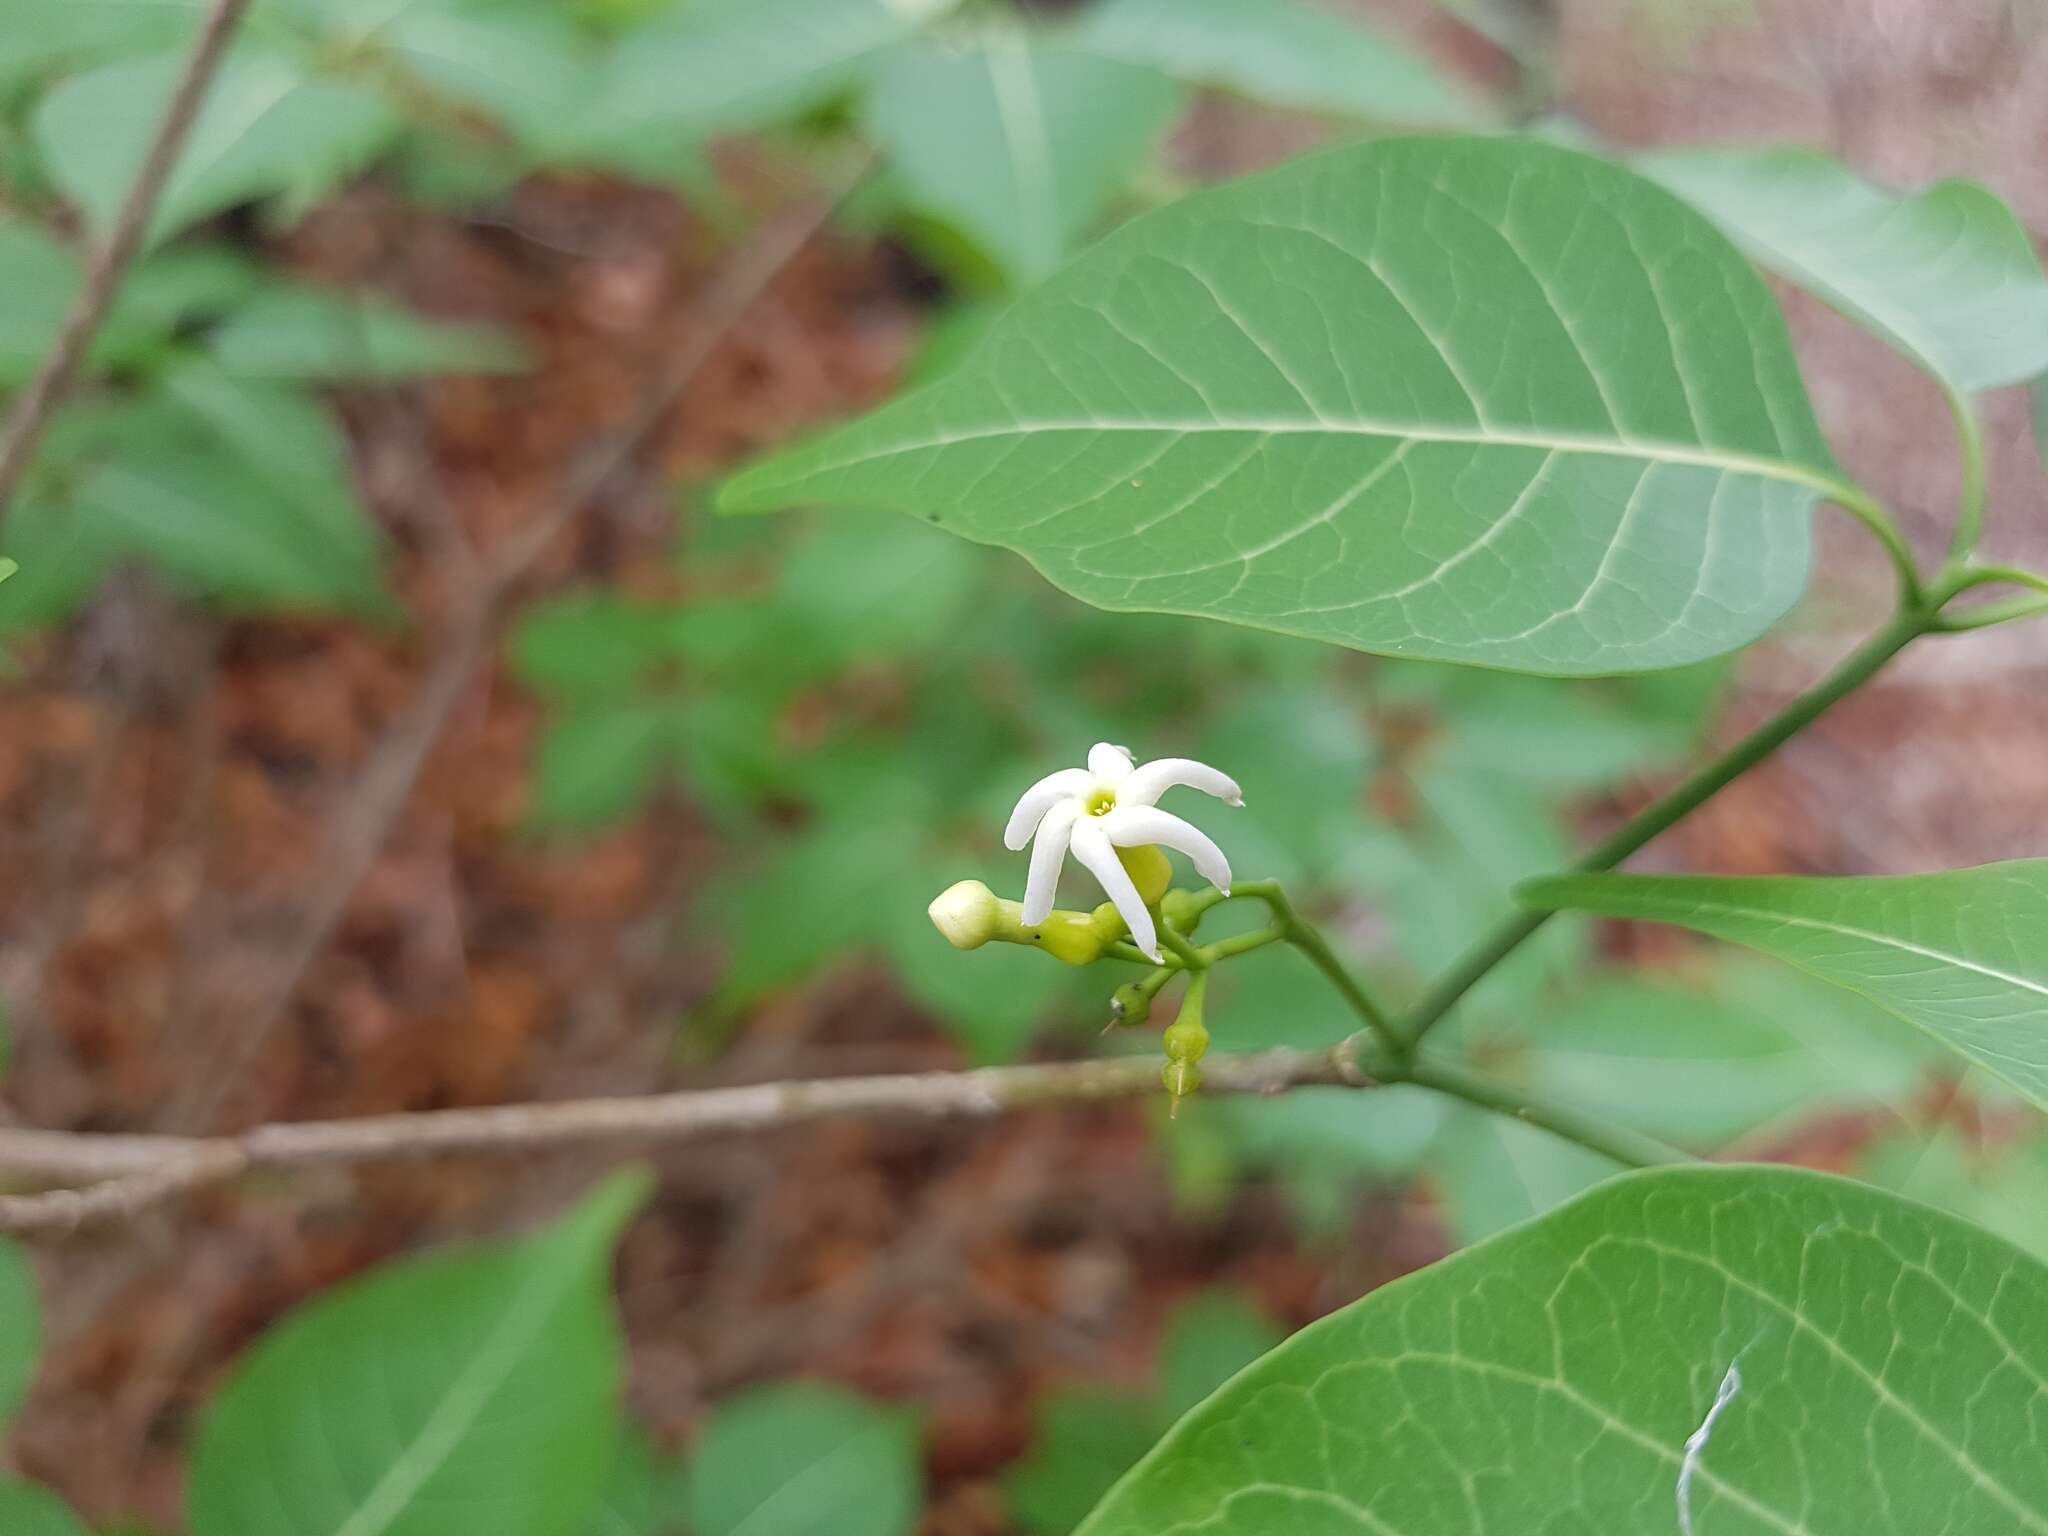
(460, 1404)
(1557, 442)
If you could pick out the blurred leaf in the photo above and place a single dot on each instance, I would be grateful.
(877, 585)
(291, 332)
(1209, 1339)
(1018, 145)
(593, 644)
(39, 39)
(1560, 738)
(598, 765)
(21, 1329)
(1964, 955)
(29, 1510)
(528, 65)
(1688, 1065)
(648, 1495)
(1181, 420)
(40, 278)
(1087, 1438)
(1947, 276)
(1490, 1173)
(955, 332)
(2039, 394)
(716, 68)
(1559, 1378)
(1285, 52)
(471, 1390)
(267, 129)
(1302, 754)
(2003, 1189)
(801, 1458)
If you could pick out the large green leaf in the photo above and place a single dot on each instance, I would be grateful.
(267, 128)
(38, 38)
(1694, 1350)
(1947, 276)
(1018, 146)
(467, 1391)
(1282, 51)
(1964, 955)
(713, 68)
(1484, 400)
(294, 332)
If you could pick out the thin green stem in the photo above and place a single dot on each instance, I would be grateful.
(1305, 937)
(1121, 950)
(1964, 578)
(1970, 506)
(1986, 615)
(1190, 957)
(1912, 621)
(1870, 512)
(1242, 944)
(1630, 1148)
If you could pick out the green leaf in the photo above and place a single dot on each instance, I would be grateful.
(1017, 145)
(1284, 52)
(796, 1459)
(38, 39)
(29, 1510)
(717, 68)
(1946, 276)
(1964, 955)
(267, 129)
(1479, 399)
(2001, 1188)
(21, 1330)
(647, 1496)
(529, 66)
(1087, 1438)
(598, 765)
(1210, 1338)
(39, 277)
(1492, 1173)
(470, 1390)
(1877, 1367)
(291, 332)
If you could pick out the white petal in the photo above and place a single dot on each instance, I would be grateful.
(1091, 847)
(1048, 852)
(1039, 799)
(1133, 826)
(1109, 762)
(1148, 782)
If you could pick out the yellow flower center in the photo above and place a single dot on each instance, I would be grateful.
(1100, 803)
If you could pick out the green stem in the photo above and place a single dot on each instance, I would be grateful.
(1970, 507)
(1629, 1148)
(1242, 944)
(1912, 621)
(1121, 950)
(1305, 937)
(1963, 578)
(1867, 510)
(1986, 615)
(1190, 957)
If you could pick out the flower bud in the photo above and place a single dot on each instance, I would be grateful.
(1186, 1041)
(1150, 871)
(967, 913)
(1181, 1078)
(1130, 1004)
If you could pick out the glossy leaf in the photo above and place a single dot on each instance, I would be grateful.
(1947, 276)
(1870, 1358)
(1476, 399)
(1964, 955)
(1286, 52)
(800, 1458)
(470, 1390)
(267, 129)
(1018, 146)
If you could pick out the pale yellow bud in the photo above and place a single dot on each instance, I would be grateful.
(967, 913)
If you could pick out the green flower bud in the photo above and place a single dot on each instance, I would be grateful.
(1181, 1078)
(1130, 1004)
(1186, 1041)
(968, 914)
(1150, 871)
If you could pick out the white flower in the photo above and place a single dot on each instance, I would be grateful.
(1106, 806)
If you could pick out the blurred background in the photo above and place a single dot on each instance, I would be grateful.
(387, 723)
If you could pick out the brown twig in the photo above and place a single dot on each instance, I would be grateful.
(110, 262)
(136, 1171)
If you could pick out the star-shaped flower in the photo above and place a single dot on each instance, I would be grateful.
(1108, 805)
